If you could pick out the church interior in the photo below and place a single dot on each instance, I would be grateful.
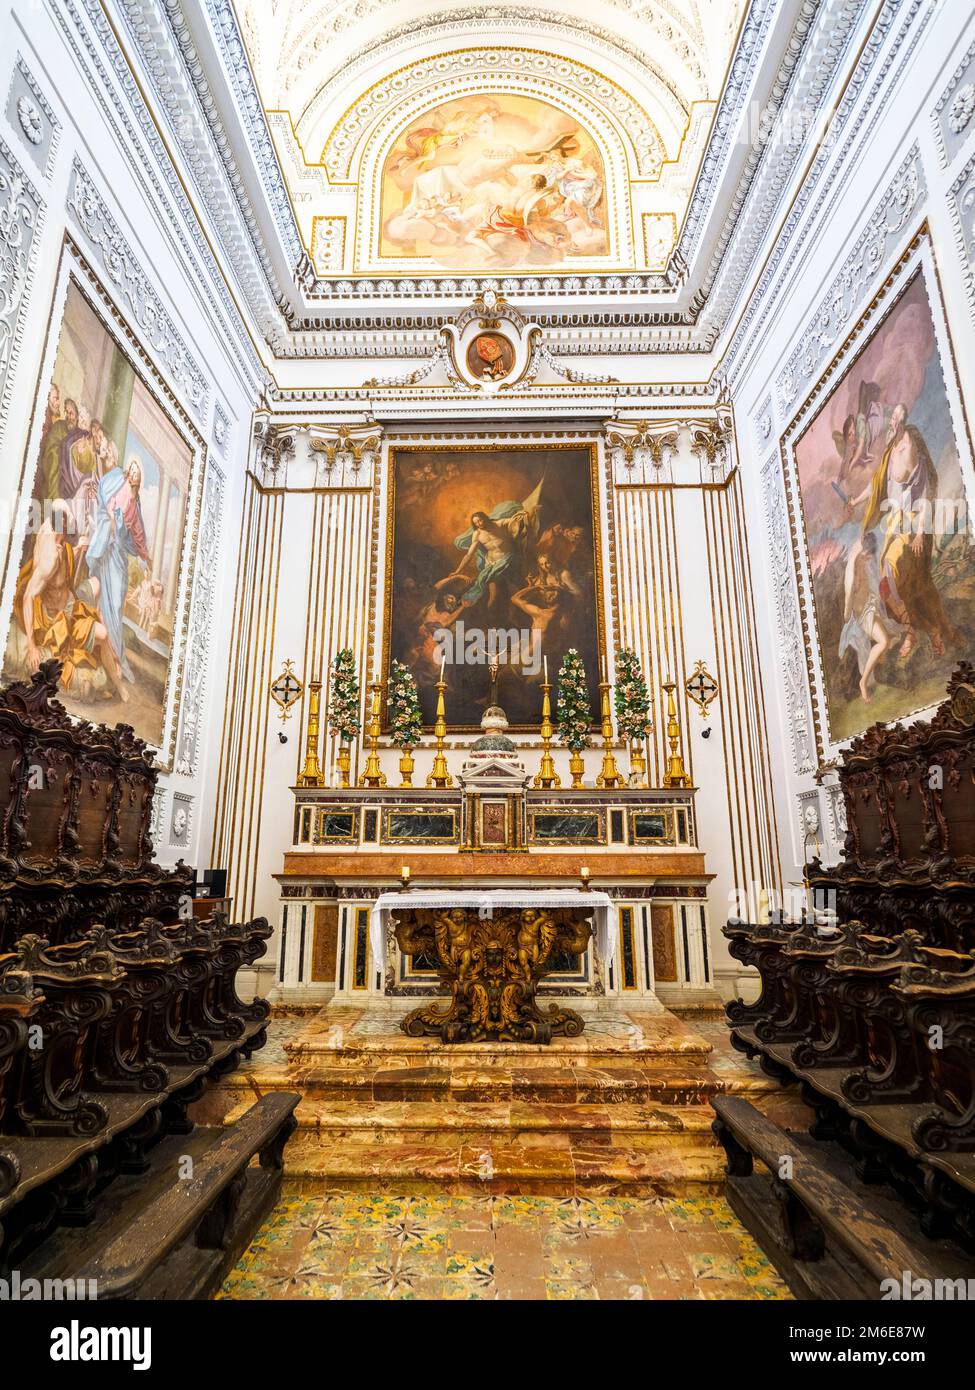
(487, 720)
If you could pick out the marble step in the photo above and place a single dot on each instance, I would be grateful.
(557, 1085)
(346, 1119)
(501, 1166)
(335, 1048)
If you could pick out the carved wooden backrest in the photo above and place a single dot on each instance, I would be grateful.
(74, 797)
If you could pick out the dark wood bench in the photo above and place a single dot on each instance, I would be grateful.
(174, 1232)
(830, 1236)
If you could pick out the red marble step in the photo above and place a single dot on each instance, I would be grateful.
(562, 1085)
(504, 1166)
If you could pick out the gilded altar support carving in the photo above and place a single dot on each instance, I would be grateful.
(493, 967)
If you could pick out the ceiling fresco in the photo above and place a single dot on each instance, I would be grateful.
(412, 142)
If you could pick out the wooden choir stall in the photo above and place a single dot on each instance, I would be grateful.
(117, 1008)
(869, 1005)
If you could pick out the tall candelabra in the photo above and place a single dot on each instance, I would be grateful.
(311, 772)
(676, 774)
(440, 773)
(546, 775)
(372, 774)
(610, 776)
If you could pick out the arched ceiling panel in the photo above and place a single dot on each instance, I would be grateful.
(344, 84)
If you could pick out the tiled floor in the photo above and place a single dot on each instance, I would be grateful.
(360, 1246)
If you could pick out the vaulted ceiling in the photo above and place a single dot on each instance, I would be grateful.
(621, 169)
(417, 138)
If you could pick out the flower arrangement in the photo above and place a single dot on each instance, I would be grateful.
(631, 697)
(573, 713)
(405, 718)
(343, 704)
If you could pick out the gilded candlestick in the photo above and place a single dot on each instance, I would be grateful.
(372, 775)
(610, 775)
(546, 775)
(676, 774)
(440, 773)
(311, 772)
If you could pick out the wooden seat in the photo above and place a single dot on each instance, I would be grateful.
(174, 1231)
(829, 1236)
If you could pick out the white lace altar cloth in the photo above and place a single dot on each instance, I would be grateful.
(486, 902)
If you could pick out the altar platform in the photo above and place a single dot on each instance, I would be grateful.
(623, 1109)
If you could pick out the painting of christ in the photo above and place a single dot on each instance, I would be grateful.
(494, 553)
(98, 576)
(886, 525)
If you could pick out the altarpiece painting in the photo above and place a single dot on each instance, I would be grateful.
(492, 550)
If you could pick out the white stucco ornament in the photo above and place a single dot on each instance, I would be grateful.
(31, 120)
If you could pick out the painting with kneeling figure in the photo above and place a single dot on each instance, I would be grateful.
(99, 573)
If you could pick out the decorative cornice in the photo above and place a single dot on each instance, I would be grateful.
(174, 70)
(832, 169)
(137, 137)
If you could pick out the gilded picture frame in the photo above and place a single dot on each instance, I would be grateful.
(543, 453)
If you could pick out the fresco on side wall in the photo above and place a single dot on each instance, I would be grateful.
(99, 571)
(884, 511)
(488, 182)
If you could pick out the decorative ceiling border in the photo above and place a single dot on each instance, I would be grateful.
(416, 80)
(788, 254)
(175, 72)
(21, 223)
(492, 17)
(871, 252)
(145, 152)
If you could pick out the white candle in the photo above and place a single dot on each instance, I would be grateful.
(443, 666)
(545, 668)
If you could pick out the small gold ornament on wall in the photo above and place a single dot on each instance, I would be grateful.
(702, 688)
(286, 690)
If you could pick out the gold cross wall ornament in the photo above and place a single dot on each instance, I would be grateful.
(286, 690)
(702, 688)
